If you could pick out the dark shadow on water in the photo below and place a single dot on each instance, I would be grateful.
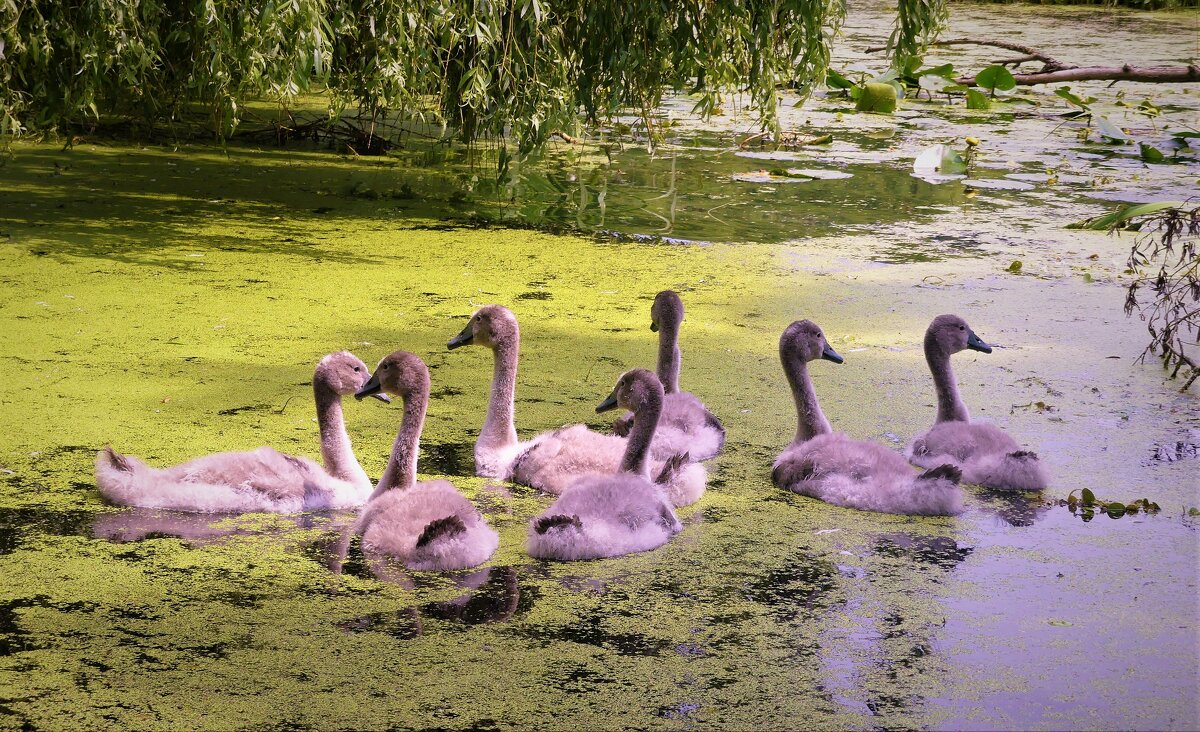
(939, 551)
(18, 525)
(448, 458)
(795, 589)
(1014, 508)
(494, 595)
(589, 629)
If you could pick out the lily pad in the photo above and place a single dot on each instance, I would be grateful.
(939, 160)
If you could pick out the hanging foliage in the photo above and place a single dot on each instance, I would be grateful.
(517, 69)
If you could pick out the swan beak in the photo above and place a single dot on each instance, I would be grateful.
(976, 344)
(653, 327)
(462, 339)
(609, 403)
(831, 355)
(371, 388)
(382, 397)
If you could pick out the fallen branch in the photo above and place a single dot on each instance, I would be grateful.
(1153, 74)
(1051, 63)
(1055, 71)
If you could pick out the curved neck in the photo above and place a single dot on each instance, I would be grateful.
(498, 428)
(337, 455)
(950, 404)
(668, 358)
(645, 420)
(401, 471)
(810, 420)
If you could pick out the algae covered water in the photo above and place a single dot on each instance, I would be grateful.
(173, 302)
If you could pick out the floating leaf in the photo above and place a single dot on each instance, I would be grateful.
(1089, 498)
(1114, 510)
(835, 80)
(976, 100)
(877, 97)
(1060, 623)
(1065, 93)
(995, 77)
(1150, 153)
(952, 162)
(1015, 267)
(945, 71)
(1108, 129)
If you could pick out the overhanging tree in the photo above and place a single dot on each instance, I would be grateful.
(520, 69)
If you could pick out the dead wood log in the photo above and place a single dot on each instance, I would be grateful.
(1055, 71)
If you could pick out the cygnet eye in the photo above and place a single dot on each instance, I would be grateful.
(385, 367)
(357, 369)
(962, 327)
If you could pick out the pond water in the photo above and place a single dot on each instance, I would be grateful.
(172, 302)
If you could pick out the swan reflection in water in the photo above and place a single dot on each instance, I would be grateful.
(490, 594)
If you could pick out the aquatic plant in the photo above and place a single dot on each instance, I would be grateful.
(1164, 260)
(1085, 505)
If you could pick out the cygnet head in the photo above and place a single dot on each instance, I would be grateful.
(634, 390)
(490, 326)
(951, 334)
(400, 374)
(344, 373)
(804, 341)
(667, 311)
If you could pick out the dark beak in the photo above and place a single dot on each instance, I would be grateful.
(975, 344)
(371, 388)
(653, 327)
(609, 403)
(831, 355)
(462, 339)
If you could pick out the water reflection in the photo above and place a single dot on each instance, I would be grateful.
(879, 659)
(491, 594)
(17, 525)
(1013, 508)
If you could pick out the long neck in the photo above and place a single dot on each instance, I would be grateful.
(668, 358)
(336, 452)
(645, 420)
(950, 404)
(401, 471)
(810, 420)
(498, 428)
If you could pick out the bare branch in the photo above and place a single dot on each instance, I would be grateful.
(1155, 74)
(1033, 54)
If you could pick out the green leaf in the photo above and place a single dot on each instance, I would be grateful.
(952, 163)
(1125, 213)
(835, 80)
(1089, 498)
(1108, 129)
(995, 77)
(1150, 153)
(877, 97)
(945, 71)
(1015, 267)
(976, 100)
(1115, 510)
(1065, 93)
